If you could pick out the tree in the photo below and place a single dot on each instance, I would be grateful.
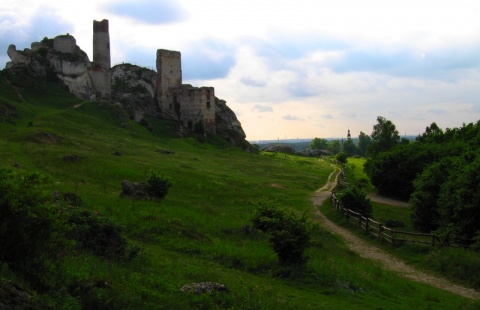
(318, 144)
(423, 201)
(364, 142)
(384, 136)
(393, 172)
(288, 234)
(335, 147)
(349, 147)
(432, 133)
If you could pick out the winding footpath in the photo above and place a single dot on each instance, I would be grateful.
(369, 251)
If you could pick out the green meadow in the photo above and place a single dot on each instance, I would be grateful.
(200, 232)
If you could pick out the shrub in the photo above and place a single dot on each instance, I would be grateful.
(342, 157)
(354, 198)
(159, 184)
(101, 235)
(30, 226)
(289, 235)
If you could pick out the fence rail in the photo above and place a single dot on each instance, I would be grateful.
(384, 233)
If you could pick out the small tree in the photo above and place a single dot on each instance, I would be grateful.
(354, 198)
(288, 234)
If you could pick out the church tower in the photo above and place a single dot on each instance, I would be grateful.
(101, 44)
(348, 134)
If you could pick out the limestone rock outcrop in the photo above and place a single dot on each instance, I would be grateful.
(227, 124)
(134, 88)
(62, 58)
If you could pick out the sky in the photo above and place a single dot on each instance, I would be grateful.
(290, 69)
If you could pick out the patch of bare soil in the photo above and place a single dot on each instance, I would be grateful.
(388, 201)
(368, 251)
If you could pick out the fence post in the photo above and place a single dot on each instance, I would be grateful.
(380, 228)
(393, 237)
(366, 224)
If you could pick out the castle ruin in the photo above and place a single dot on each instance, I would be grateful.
(101, 44)
(192, 107)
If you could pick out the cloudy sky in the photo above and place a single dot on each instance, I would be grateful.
(291, 69)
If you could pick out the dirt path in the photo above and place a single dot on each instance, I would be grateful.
(388, 201)
(368, 251)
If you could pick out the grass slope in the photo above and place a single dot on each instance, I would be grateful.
(195, 234)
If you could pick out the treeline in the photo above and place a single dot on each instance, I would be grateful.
(347, 146)
(439, 173)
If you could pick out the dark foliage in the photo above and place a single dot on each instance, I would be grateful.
(29, 225)
(101, 235)
(354, 198)
(159, 184)
(288, 234)
(342, 157)
(393, 172)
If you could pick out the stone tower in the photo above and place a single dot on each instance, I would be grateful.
(101, 44)
(169, 76)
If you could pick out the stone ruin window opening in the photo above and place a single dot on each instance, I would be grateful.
(208, 104)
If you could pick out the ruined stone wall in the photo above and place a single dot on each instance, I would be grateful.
(64, 44)
(195, 106)
(101, 44)
(101, 81)
(169, 75)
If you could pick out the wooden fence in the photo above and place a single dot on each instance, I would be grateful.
(384, 233)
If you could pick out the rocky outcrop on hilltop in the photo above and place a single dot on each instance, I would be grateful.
(61, 58)
(131, 88)
(228, 126)
(134, 88)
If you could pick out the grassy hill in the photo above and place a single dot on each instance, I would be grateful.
(200, 232)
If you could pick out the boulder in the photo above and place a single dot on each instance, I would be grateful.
(135, 190)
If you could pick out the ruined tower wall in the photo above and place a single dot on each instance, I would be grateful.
(169, 75)
(101, 44)
(64, 44)
(195, 106)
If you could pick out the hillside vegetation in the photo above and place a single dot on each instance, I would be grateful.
(72, 241)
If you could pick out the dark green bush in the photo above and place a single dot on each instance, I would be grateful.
(354, 198)
(159, 184)
(101, 235)
(30, 225)
(342, 157)
(288, 234)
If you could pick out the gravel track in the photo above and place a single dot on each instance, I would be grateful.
(369, 251)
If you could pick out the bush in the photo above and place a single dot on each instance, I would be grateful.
(342, 157)
(159, 184)
(354, 198)
(289, 235)
(101, 235)
(30, 225)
